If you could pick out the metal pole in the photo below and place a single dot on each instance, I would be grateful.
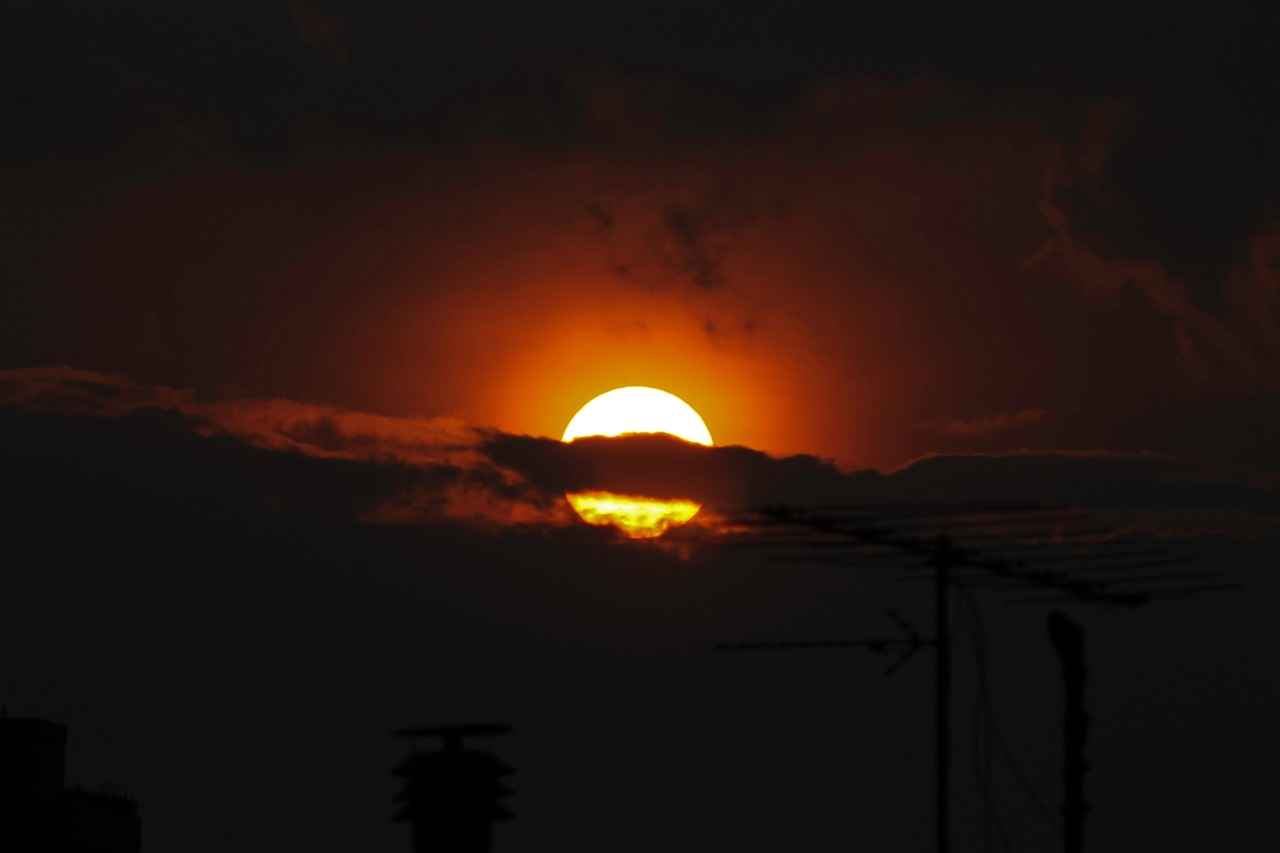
(942, 690)
(1068, 640)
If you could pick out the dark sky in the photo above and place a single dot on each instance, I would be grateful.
(297, 296)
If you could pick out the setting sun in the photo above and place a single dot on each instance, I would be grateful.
(624, 411)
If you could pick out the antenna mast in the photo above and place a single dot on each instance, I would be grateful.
(950, 564)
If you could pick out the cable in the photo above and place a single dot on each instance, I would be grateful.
(992, 727)
(980, 736)
(958, 626)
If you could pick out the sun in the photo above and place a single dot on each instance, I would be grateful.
(636, 409)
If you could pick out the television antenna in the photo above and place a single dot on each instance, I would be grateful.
(1037, 553)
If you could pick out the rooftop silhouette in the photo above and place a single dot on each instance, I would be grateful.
(38, 814)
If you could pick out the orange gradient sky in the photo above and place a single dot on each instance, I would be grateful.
(297, 299)
(857, 285)
(806, 340)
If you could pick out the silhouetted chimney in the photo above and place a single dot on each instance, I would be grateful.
(451, 795)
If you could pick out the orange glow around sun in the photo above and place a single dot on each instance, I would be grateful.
(636, 410)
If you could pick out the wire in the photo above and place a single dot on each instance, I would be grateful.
(980, 736)
(979, 742)
(992, 728)
(976, 746)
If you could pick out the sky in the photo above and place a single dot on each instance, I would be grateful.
(298, 298)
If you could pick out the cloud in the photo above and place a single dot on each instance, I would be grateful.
(321, 30)
(1236, 347)
(679, 243)
(299, 459)
(275, 424)
(410, 469)
(1254, 287)
(690, 246)
(991, 423)
(1150, 491)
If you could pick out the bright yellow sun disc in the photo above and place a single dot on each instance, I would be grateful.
(638, 409)
(622, 411)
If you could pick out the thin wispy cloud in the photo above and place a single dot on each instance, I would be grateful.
(406, 470)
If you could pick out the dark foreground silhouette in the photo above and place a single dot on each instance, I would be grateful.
(451, 794)
(38, 814)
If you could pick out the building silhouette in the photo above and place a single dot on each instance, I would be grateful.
(451, 794)
(38, 814)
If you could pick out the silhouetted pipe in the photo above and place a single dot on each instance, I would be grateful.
(451, 795)
(1068, 641)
